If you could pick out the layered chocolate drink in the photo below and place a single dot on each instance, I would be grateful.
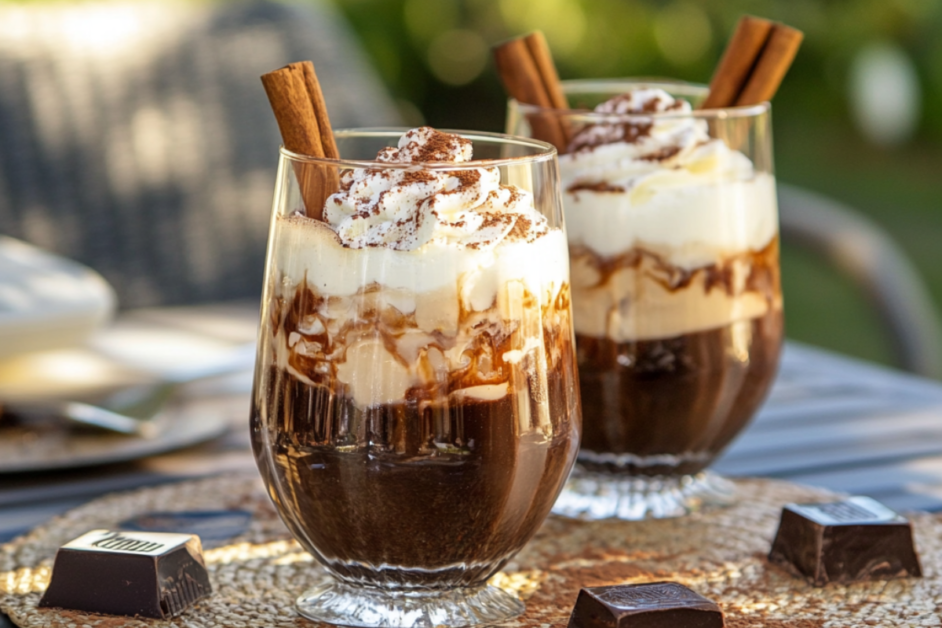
(416, 409)
(675, 276)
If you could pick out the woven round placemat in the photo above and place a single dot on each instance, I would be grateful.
(721, 554)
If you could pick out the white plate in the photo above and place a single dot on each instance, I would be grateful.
(46, 301)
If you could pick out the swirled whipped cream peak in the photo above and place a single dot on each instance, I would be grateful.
(647, 172)
(406, 208)
(636, 124)
(643, 132)
(425, 144)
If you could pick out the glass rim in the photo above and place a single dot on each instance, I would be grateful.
(546, 150)
(619, 86)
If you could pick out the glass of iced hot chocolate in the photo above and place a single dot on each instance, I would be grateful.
(673, 239)
(416, 408)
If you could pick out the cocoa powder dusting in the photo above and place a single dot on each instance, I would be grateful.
(467, 178)
(520, 228)
(661, 155)
(439, 147)
(601, 186)
(651, 105)
(417, 176)
(596, 135)
(419, 192)
(633, 131)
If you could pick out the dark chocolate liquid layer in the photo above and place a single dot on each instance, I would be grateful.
(678, 401)
(414, 494)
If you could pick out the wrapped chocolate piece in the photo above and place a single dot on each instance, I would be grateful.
(648, 605)
(128, 573)
(854, 539)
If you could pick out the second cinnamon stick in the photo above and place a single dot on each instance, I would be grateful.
(524, 81)
(738, 62)
(773, 64)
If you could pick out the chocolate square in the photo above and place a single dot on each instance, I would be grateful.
(855, 539)
(649, 605)
(128, 573)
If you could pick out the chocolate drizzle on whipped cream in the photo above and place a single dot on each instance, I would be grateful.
(601, 186)
(633, 130)
(647, 139)
(406, 208)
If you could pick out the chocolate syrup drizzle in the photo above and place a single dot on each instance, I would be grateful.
(763, 276)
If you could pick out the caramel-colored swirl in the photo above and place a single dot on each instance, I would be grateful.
(640, 295)
(367, 348)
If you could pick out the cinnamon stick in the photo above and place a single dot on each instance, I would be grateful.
(755, 61)
(773, 64)
(738, 61)
(523, 80)
(298, 105)
(543, 59)
(320, 110)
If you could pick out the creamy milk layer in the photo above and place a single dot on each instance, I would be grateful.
(691, 220)
(659, 189)
(392, 306)
(310, 250)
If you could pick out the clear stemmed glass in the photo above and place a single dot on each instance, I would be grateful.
(416, 413)
(672, 223)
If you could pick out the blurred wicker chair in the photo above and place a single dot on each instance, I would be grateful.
(135, 137)
(881, 270)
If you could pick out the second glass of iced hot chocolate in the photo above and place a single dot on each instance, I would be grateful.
(673, 238)
(416, 411)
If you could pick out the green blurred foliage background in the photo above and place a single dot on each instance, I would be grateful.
(434, 56)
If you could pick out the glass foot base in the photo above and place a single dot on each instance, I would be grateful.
(592, 496)
(338, 603)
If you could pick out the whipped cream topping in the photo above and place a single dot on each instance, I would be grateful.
(405, 209)
(619, 154)
(309, 251)
(647, 138)
(659, 180)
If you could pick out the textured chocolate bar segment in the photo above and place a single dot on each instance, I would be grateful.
(649, 605)
(855, 539)
(128, 573)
